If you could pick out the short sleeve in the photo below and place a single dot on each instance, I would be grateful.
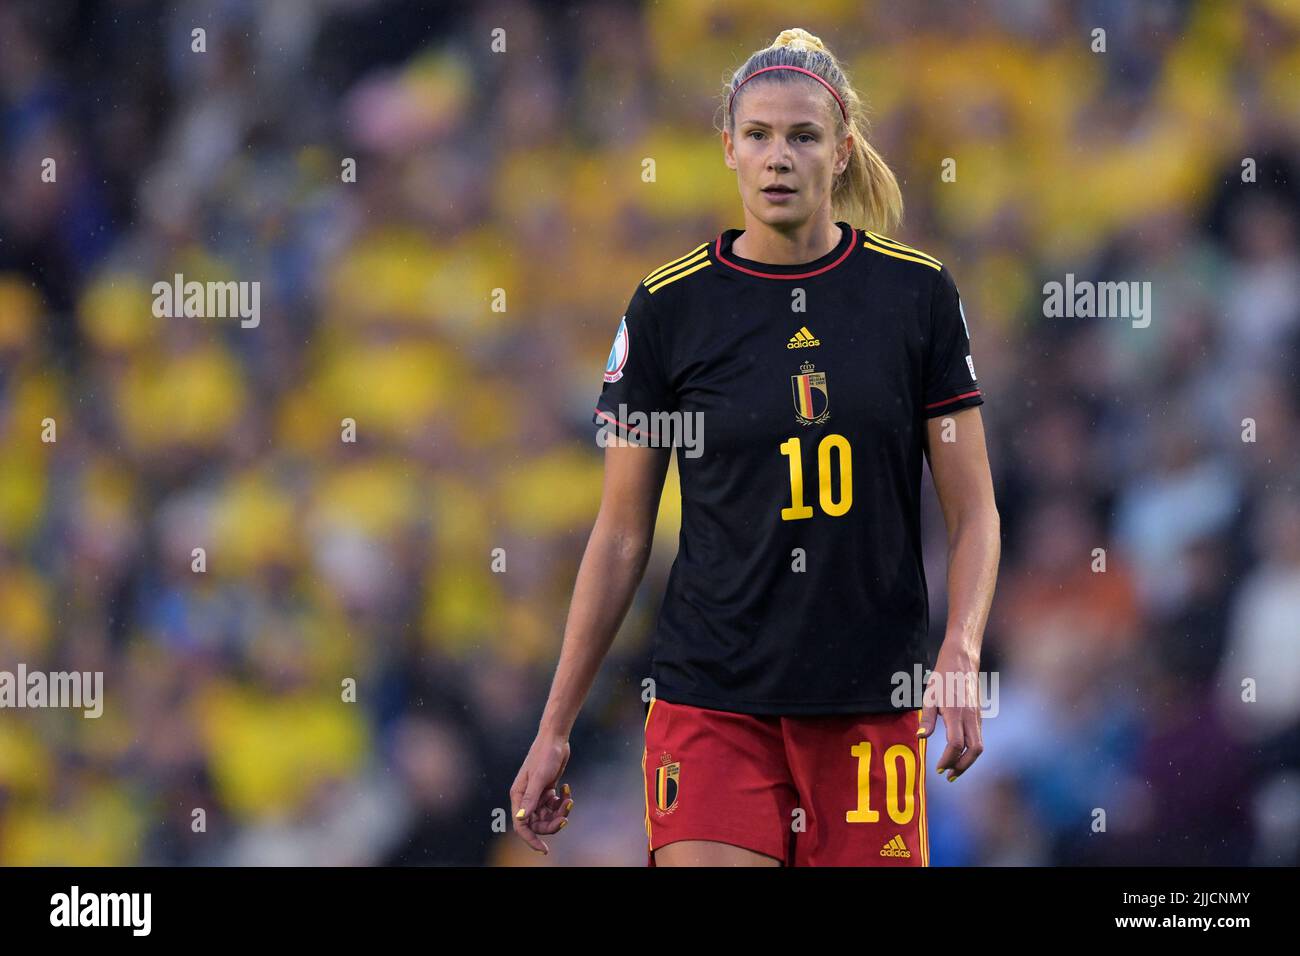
(636, 376)
(950, 383)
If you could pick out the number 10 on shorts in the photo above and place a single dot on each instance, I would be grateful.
(899, 802)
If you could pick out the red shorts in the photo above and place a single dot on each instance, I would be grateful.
(838, 790)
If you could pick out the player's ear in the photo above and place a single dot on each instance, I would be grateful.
(728, 153)
(844, 153)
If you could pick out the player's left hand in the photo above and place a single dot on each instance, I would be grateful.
(953, 693)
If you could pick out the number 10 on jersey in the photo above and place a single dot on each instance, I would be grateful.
(792, 448)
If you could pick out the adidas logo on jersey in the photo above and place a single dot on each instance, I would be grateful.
(803, 339)
(895, 847)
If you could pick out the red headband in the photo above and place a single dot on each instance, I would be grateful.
(801, 70)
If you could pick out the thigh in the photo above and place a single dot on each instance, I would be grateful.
(718, 777)
(709, 853)
(861, 780)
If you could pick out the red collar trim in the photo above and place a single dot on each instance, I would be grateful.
(717, 254)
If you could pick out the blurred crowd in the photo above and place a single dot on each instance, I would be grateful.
(345, 679)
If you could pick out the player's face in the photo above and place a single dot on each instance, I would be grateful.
(785, 134)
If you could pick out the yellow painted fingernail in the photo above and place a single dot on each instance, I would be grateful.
(920, 731)
(568, 807)
(566, 789)
(563, 824)
(521, 814)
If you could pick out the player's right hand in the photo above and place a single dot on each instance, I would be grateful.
(536, 807)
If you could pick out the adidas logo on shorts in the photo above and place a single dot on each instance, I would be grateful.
(895, 847)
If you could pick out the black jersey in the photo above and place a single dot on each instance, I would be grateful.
(798, 586)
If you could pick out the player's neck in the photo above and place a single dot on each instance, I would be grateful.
(768, 244)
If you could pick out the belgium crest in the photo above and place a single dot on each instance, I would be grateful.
(667, 776)
(811, 400)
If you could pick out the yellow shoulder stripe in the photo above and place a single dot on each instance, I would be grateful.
(691, 256)
(895, 244)
(679, 275)
(868, 244)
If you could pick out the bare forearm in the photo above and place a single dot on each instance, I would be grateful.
(611, 569)
(974, 551)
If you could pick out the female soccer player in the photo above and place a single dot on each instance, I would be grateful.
(815, 364)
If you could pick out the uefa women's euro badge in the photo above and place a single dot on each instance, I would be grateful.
(812, 403)
(617, 354)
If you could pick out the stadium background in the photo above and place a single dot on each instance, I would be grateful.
(522, 171)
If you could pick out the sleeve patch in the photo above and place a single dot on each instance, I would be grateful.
(617, 354)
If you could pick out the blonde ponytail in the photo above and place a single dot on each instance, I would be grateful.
(866, 193)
